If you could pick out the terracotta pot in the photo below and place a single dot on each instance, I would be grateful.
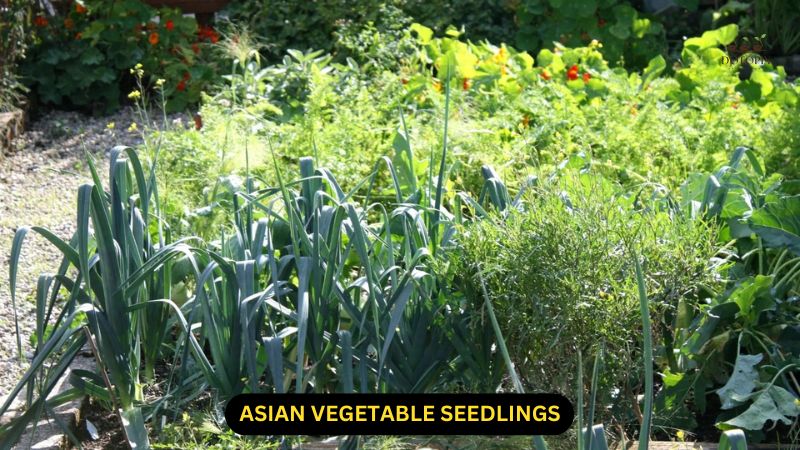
(191, 6)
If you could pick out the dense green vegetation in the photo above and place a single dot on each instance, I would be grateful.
(435, 214)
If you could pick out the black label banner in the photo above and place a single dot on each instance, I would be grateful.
(399, 414)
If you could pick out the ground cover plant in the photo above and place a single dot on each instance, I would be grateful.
(510, 110)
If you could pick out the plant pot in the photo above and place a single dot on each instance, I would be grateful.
(191, 6)
(203, 9)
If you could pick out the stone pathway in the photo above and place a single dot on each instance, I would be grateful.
(39, 180)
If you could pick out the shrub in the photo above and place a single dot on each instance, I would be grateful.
(14, 24)
(81, 56)
(629, 37)
(558, 266)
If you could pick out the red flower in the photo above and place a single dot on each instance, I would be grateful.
(153, 38)
(466, 84)
(196, 49)
(586, 77)
(208, 33)
(181, 86)
(572, 73)
(186, 76)
(170, 25)
(79, 8)
(40, 21)
(545, 75)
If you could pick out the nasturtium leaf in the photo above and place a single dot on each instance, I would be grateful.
(742, 380)
(424, 34)
(764, 81)
(750, 90)
(576, 9)
(712, 38)
(620, 30)
(691, 5)
(90, 56)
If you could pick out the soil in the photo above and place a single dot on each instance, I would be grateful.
(107, 424)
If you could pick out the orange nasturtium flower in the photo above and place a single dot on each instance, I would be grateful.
(545, 75)
(572, 73)
(68, 23)
(40, 21)
(78, 36)
(79, 8)
(153, 39)
(586, 77)
(466, 84)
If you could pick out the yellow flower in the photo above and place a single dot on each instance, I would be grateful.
(137, 70)
(680, 435)
(501, 56)
(111, 125)
(160, 82)
(135, 95)
(132, 128)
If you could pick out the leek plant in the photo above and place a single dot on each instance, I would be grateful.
(113, 302)
(310, 291)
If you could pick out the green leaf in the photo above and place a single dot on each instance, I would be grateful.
(748, 291)
(691, 5)
(778, 223)
(91, 56)
(654, 68)
(732, 440)
(135, 431)
(742, 381)
(713, 38)
(424, 34)
(772, 404)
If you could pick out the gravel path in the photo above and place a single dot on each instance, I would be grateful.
(38, 186)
